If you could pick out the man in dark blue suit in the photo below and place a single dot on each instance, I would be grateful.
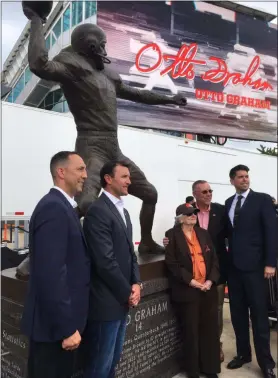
(56, 308)
(115, 284)
(252, 232)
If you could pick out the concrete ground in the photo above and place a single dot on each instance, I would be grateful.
(247, 371)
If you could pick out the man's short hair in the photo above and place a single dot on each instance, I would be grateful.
(196, 183)
(109, 169)
(237, 168)
(59, 158)
(189, 199)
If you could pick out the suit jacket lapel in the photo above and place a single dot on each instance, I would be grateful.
(72, 210)
(203, 245)
(212, 218)
(229, 203)
(228, 208)
(245, 204)
(246, 201)
(115, 211)
(79, 225)
(128, 225)
(183, 247)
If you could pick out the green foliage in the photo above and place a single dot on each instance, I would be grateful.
(268, 150)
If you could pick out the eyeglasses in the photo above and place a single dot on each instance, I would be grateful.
(207, 191)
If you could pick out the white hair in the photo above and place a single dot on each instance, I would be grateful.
(178, 219)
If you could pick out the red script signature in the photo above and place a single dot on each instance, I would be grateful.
(184, 62)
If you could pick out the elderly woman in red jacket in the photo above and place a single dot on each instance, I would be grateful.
(194, 272)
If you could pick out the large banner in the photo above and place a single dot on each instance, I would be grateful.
(224, 62)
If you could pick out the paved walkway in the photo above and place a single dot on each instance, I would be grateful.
(247, 371)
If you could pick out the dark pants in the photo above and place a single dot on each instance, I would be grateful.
(248, 291)
(50, 360)
(200, 331)
(105, 342)
(221, 297)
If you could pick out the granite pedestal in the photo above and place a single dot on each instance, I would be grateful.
(152, 346)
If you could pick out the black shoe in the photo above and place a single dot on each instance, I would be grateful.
(269, 373)
(193, 376)
(211, 375)
(238, 362)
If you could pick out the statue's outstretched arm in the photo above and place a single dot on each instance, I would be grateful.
(39, 63)
(144, 96)
(148, 97)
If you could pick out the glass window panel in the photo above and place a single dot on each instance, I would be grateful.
(57, 95)
(18, 88)
(77, 11)
(47, 43)
(10, 97)
(65, 107)
(57, 28)
(49, 100)
(66, 19)
(53, 39)
(28, 75)
(90, 8)
(58, 107)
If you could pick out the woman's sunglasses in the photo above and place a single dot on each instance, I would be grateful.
(189, 215)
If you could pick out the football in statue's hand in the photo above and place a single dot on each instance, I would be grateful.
(41, 9)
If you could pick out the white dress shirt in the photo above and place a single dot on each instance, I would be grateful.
(119, 203)
(70, 199)
(233, 206)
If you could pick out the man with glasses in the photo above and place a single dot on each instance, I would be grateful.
(211, 217)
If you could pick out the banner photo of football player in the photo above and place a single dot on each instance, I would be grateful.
(224, 62)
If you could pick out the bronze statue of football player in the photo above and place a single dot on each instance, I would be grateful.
(91, 89)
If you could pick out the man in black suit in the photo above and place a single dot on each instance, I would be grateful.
(211, 217)
(115, 284)
(252, 231)
(57, 302)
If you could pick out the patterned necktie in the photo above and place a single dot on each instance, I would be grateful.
(237, 209)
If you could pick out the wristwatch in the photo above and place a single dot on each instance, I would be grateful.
(140, 284)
